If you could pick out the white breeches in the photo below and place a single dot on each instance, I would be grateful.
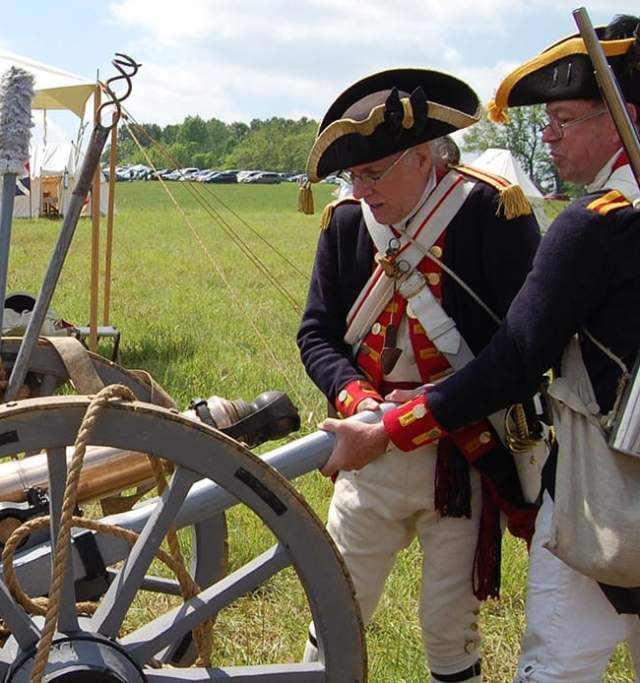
(572, 629)
(375, 513)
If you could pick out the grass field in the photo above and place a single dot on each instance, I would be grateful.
(203, 319)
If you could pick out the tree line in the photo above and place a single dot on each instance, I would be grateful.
(280, 144)
(276, 144)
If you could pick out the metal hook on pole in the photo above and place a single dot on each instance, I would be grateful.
(127, 67)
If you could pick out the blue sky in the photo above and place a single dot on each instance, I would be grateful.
(259, 58)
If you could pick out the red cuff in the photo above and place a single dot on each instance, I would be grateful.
(412, 424)
(352, 394)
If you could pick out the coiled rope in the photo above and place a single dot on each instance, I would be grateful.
(50, 607)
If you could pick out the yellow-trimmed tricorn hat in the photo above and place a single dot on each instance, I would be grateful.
(564, 72)
(389, 112)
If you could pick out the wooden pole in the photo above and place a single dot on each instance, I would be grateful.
(95, 241)
(113, 152)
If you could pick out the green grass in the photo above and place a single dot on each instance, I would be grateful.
(181, 322)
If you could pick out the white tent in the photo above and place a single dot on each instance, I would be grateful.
(55, 88)
(52, 178)
(52, 168)
(501, 162)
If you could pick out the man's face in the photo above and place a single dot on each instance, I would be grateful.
(584, 148)
(393, 196)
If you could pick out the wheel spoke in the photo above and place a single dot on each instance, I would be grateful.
(233, 475)
(17, 621)
(57, 466)
(266, 673)
(111, 611)
(144, 643)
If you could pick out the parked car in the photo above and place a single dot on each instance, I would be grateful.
(160, 173)
(265, 177)
(221, 177)
(201, 175)
(243, 175)
(188, 173)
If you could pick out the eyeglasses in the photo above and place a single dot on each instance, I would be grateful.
(558, 128)
(371, 179)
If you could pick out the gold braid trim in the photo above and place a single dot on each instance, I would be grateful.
(609, 202)
(573, 45)
(342, 127)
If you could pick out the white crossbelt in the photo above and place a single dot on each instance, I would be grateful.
(424, 229)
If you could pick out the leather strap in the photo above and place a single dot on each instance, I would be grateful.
(76, 360)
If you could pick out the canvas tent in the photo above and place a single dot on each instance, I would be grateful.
(52, 178)
(502, 162)
(59, 89)
(52, 167)
(55, 88)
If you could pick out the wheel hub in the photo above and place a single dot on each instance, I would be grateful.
(80, 659)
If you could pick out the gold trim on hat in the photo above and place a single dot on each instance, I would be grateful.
(564, 48)
(337, 129)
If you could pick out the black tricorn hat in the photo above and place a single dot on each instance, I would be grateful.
(564, 72)
(389, 112)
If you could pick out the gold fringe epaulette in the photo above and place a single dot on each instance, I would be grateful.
(513, 201)
(327, 214)
(609, 202)
(305, 198)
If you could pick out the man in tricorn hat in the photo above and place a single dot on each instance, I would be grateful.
(411, 277)
(585, 280)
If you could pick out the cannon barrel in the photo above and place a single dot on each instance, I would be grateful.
(207, 499)
(107, 471)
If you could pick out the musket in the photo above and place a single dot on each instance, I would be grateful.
(610, 90)
(622, 423)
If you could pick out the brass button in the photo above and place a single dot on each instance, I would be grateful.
(376, 329)
(485, 437)
(436, 251)
(419, 411)
(470, 646)
(343, 396)
(433, 278)
(411, 312)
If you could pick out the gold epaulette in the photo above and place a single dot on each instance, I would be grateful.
(609, 202)
(327, 214)
(513, 202)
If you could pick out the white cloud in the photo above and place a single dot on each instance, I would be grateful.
(254, 59)
(170, 23)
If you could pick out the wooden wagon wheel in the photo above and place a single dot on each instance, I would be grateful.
(93, 648)
(46, 373)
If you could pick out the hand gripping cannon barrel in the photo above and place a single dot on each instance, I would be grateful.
(69, 583)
